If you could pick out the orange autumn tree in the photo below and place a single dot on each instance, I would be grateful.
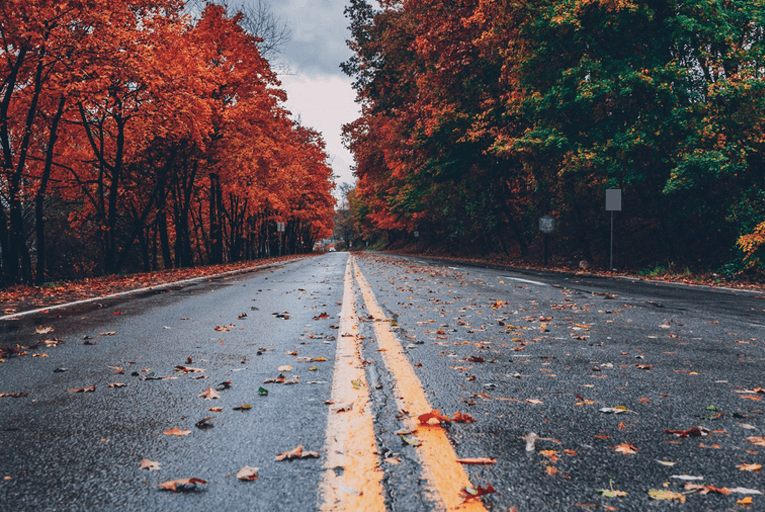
(144, 138)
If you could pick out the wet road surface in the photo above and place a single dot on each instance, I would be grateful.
(372, 342)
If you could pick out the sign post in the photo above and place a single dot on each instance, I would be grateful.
(546, 226)
(280, 229)
(417, 241)
(613, 204)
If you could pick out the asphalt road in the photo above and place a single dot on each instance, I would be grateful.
(520, 353)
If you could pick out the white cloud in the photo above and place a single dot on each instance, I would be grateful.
(324, 102)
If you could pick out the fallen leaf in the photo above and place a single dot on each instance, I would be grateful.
(149, 464)
(88, 389)
(744, 501)
(297, 453)
(758, 441)
(692, 432)
(666, 463)
(188, 369)
(226, 384)
(108, 333)
(278, 380)
(203, 423)
(534, 401)
(687, 478)
(245, 407)
(615, 410)
(743, 490)
(477, 460)
(184, 484)
(749, 467)
(284, 368)
(247, 474)
(262, 391)
(209, 394)
(117, 369)
(625, 448)
(470, 493)
(660, 494)
(462, 418)
(706, 489)
(434, 414)
(551, 470)
(176, 432)
(117, 385)
(12, 394)
(41, 329)
(215, 409)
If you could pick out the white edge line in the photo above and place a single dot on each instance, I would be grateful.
(526, 281)
(140, 290)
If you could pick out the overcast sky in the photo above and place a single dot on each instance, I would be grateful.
(317, 90)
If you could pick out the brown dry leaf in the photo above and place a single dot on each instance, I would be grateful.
(434, 414)
(149, 464)
(551, 470)
(117, 385)
(117, 369)
(477, 460)
(88, 389)
(188, 369)
(293, 353)
(183, 484)
(297, 453)
(462, 418)
(749, 467)
(41, 329)
(660, 494)
(209, 394)
(247, 474)
(215, 409)
(534, 401)
(706, 488)
(278, 380)
(13, 394)
(284, 368)
(625, 448)
(759, 441)
(470, 493)
(744, 501)
(108, 333)
(176, 432)
(692, 432)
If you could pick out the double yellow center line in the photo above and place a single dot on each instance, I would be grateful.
(350, 433)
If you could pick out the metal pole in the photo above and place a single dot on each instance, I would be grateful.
(611, 266)
(280, 240)
(546, 237)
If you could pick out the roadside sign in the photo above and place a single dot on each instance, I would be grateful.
(613, 200)
(547, 224)
(280, 227)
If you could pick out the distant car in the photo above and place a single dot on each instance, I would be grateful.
(331, 249)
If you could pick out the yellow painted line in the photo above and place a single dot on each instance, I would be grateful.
(439, 461)
(350, 438)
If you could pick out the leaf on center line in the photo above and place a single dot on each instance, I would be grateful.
(434, 414)
(297, 453)
(470, 493)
